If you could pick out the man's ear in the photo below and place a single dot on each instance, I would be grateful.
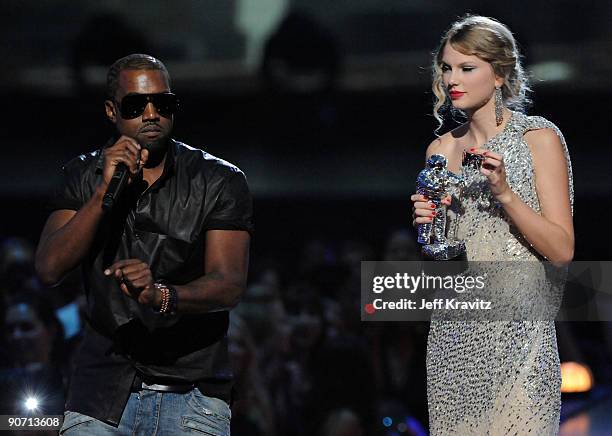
(111, 114)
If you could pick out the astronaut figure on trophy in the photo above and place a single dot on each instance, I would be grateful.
(436, 183)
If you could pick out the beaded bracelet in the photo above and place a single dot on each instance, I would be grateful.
(169, 298)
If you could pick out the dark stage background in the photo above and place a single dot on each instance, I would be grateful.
(325, 106)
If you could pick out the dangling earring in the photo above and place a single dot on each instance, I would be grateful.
(499, 106)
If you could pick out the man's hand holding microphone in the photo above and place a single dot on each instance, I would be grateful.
(122, 162)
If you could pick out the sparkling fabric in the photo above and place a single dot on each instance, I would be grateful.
(498, 377)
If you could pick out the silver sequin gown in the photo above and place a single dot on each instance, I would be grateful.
(498, 377)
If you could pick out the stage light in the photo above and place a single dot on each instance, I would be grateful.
(553, 71)
(575, 377)
(31, 403)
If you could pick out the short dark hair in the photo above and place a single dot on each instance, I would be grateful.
(136, 61)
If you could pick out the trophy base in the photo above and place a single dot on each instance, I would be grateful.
(444, 250)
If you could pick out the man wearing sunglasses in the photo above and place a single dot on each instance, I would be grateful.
(161, 268)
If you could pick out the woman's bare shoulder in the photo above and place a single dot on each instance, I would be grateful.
(442, 144)
(546, 137)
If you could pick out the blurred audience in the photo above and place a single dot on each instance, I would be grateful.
(252, 411)
(343, 422)
(401, 246)
(303, 362)
(36, 356)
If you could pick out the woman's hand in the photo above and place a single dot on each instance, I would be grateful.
(423, 210)
(494, 169)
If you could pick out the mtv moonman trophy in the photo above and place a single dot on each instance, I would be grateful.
(434, 182)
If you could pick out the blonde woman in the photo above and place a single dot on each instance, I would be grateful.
(498, 376)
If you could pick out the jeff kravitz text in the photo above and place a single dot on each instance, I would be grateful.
(435, 304)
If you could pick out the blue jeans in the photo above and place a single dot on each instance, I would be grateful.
(158, 413)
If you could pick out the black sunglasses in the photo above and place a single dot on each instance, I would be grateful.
(133, 105)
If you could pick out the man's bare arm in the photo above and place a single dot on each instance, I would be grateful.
(66, 238)
(67, 234)
(226, 265)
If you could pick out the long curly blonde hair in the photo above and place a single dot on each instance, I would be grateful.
(492, 42)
